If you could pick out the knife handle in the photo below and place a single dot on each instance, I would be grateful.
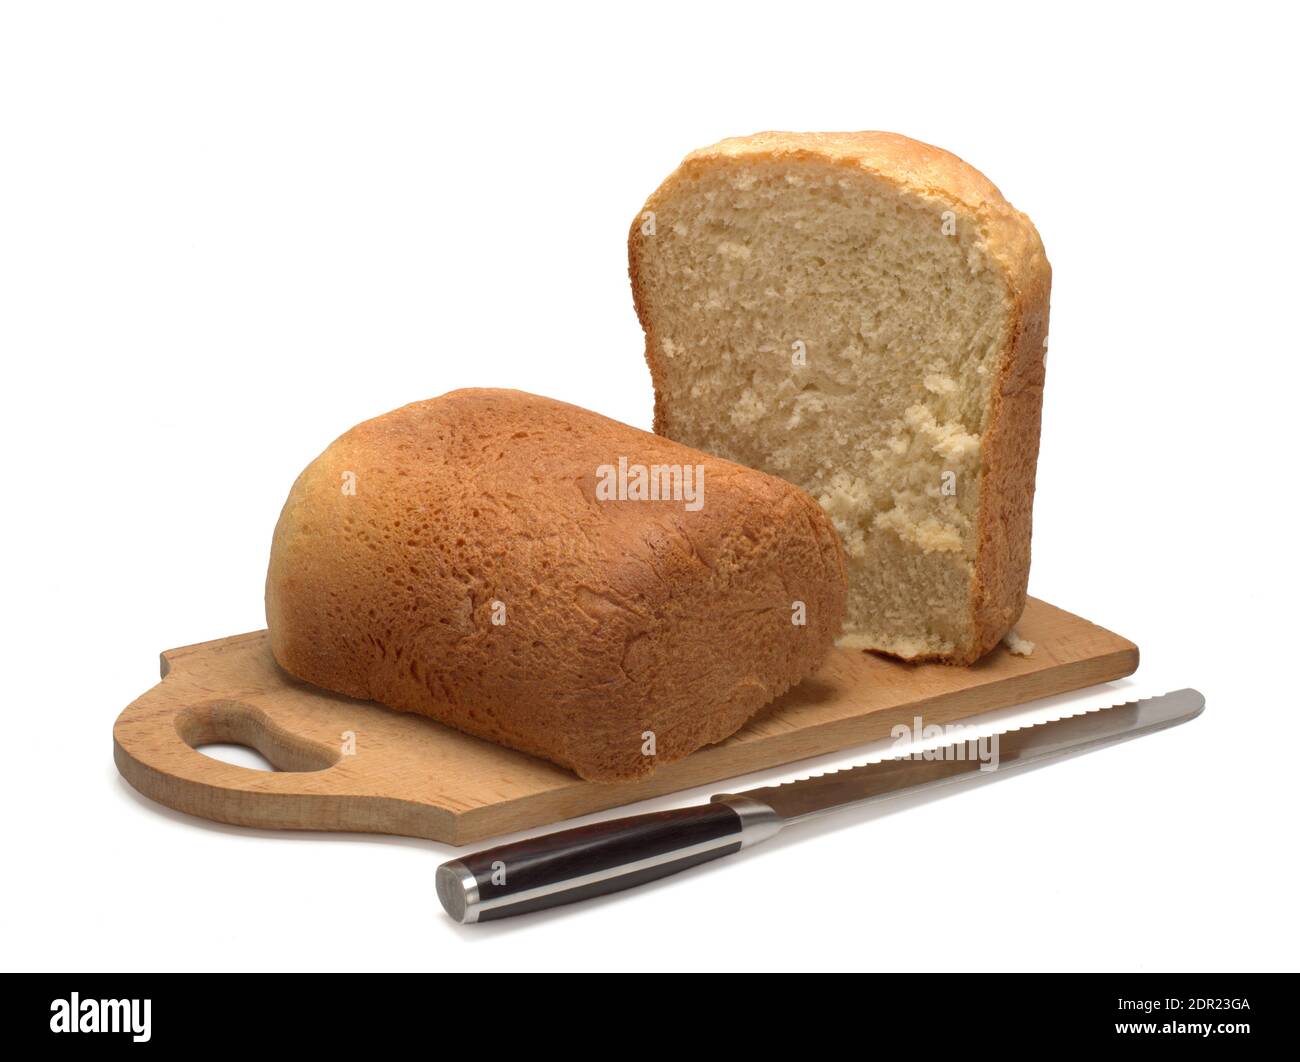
(559, 868)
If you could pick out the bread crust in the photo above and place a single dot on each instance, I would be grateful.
(1009, 454)
(620, 616)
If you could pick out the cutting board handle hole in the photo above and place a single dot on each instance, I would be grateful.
(236, 755)
(226, 723)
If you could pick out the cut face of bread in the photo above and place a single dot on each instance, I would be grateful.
(864, 316)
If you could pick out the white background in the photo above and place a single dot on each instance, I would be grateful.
(228, 232)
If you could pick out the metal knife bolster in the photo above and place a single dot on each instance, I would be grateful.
(605, 857)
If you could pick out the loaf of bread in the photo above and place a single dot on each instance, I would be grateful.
(538, 575)
(865, 316)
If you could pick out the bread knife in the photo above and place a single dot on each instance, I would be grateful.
(559, 868)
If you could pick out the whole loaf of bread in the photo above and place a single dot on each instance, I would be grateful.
(546, 578)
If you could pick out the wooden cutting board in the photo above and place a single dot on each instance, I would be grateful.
(353, 765)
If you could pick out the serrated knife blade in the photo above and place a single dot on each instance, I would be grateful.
(1022, 746)
(559, 868)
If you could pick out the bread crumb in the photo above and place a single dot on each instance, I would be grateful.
(940, 384)
(905, 331)
(1017, 645)
(928, 534)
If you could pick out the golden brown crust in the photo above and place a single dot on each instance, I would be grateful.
(1010, 450)
(620, 617)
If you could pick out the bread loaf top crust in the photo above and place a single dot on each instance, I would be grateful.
(1009, 446)
(463, 558)
(922, 169)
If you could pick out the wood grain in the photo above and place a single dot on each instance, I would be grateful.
(412, 776)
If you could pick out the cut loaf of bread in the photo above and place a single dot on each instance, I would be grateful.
(507, 564)
(865, 316)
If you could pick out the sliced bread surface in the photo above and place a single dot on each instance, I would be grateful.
(865, 316)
